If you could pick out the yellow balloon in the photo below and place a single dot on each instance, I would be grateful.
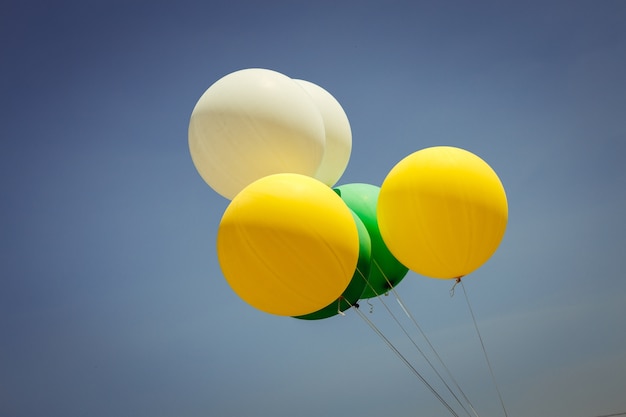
(442, 211)
(287, 244)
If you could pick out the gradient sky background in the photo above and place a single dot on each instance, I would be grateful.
(112, 302)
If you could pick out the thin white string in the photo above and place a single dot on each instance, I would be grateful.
(405, 361)
(418, 327)
(456, 384)
(493, 378)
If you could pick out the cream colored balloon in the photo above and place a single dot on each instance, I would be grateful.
(253, 123)
(338, 134)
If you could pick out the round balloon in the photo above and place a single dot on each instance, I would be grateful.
(287, 244)
(358, 282)
(253, 123)
(338, 134)
(386, 271)
(442, 212)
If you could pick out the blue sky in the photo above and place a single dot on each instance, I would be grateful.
(112, 301)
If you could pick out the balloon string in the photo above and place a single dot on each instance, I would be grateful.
(419, 328)
(405, 360)
(371, 287)
(368, 283)
(456, 282)
(482, 344)
(346, 300)
(441, 362)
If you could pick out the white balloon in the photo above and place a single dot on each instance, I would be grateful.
(338, 134)
(253, 123)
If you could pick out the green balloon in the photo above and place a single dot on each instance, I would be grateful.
(386, 271)
(357, 284)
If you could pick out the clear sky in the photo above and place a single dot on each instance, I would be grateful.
(111, 299)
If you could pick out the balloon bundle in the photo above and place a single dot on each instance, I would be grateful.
(289, 243)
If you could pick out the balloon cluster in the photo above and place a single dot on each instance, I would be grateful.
(290, 244)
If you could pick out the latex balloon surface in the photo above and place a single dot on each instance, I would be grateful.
(338, 134)
(353, 292)
(442, 212)
(253, 123)
(386, 271)
(288, 245)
